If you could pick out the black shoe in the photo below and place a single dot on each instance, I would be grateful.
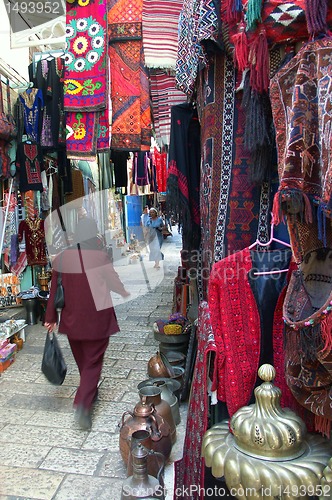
(83, 418)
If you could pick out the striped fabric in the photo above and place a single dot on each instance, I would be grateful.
(160, 20)
(164, 95)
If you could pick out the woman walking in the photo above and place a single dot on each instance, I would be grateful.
(88, 317)
(155, 224)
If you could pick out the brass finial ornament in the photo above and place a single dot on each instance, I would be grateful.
(266, 430)
(266, 448)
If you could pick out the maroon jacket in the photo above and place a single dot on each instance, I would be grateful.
(88, 313)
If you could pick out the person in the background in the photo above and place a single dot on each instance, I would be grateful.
(144, 220)
(88, 317)
(155, 224)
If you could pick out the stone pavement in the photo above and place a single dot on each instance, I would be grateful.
(43, 455)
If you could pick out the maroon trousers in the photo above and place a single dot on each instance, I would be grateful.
(89, 355)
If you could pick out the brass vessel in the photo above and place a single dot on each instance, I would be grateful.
(268, 452)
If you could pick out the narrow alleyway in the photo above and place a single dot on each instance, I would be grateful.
(42, 454)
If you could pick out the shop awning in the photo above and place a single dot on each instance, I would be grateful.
(37, 23)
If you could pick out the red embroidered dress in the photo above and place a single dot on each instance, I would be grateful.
(240, 326)
(33, 230)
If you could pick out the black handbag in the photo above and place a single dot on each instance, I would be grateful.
(53, 364)
(59, 298)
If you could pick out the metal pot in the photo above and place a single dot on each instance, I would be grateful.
(166, 394)
(152, 395)
(145, 417)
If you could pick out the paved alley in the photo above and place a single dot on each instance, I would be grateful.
(43, 455)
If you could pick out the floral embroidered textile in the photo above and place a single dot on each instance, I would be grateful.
(85, 79)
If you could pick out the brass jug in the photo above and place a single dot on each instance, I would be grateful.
(141, 484)
(152, 395)
(145, 417)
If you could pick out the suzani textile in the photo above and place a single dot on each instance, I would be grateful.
(86, 79)
(131, 117)
(85, 82)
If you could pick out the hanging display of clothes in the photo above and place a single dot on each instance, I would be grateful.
(32, 229)
(49, 77)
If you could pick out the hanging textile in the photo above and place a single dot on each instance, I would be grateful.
(85, 77)
(190, 469)
(131, 117)
(86, 80)
(32, 229)
(164, 95)
(29, 163)
(184, 173)
(158, 17)
(246, 315)
(49, 76)
(308, 336)
(159, 160)
(190, 52)
(301, 114)
(32, 101)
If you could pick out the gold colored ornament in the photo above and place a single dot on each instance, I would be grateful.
(268, 453)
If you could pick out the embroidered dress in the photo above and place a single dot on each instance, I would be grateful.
(34, 233)
(32, 100)
(239, 317)
(29, 163)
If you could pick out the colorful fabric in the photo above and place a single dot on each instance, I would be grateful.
(300, 94)
(131, 118)
(159, 160)
(82, 130)
(160, 17)
(190, 469)
(29, 163)
(308, 340)
(190, 52)
(233, 209)
(164, 95)
(85, 78)
(33, 232)
(33, 103)
(183, 179)
(239, 321)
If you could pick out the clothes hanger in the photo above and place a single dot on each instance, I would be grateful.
(272, 238)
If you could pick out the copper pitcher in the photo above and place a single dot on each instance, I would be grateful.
(152, 393)
(145, 417)
(155, 460)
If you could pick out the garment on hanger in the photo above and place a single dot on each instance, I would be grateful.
(33, 102)
(32, 229)
(247, 319)
(29, 163)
